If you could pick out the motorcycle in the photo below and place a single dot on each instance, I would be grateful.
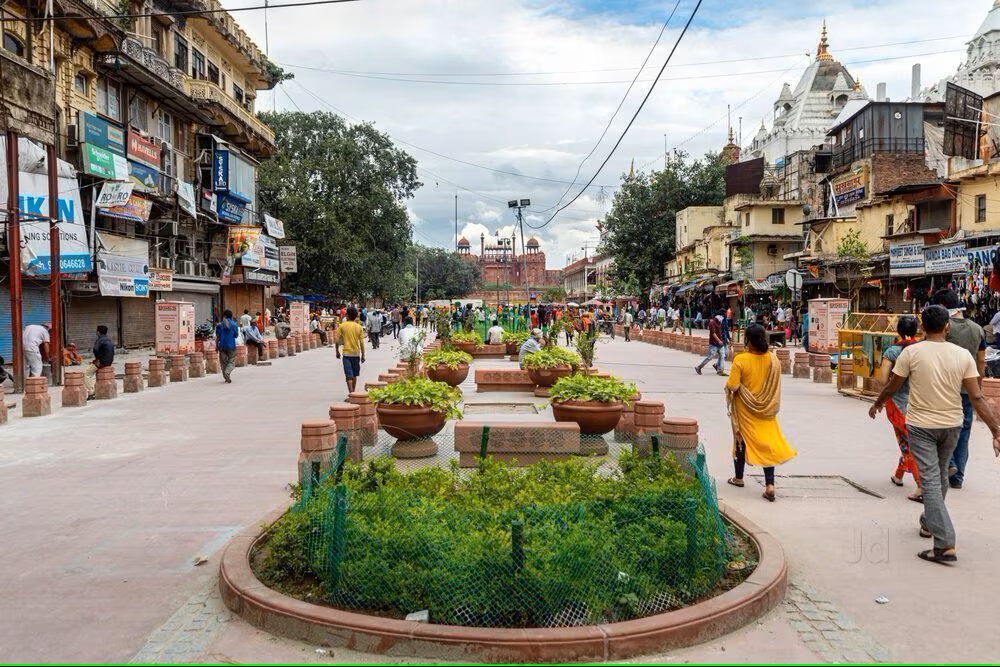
(204, 331)
(992, 362)
(607, 327)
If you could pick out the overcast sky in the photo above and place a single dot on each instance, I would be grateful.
(466, 66)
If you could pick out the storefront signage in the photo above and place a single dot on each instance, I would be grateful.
(146, 179)
(946, 259)
(185, 198)
(288, 259)
(230, 209)
(243, 241)
(260, 277)
(207, 201)
(850, 188)
(103, 163)
(114, 193)
(161, 280)
(143, 150)
(101, 133)
(980, 258)
(906, 259)
(220, 171)
(136, 209)
(269, 252)
(275, 228)
(119, 275)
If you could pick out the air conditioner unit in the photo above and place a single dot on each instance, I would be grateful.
(202, 270)
(185, 267)
(772, 249)
(72, 135)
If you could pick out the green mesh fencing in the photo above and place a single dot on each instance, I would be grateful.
(552, 545)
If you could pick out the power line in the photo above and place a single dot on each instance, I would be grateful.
(191, 12)
(642, 105)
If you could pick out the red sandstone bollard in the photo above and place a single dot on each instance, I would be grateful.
(212, 363)
(133, 377)
(36, 401)
(290, 346)
(647, 417)
(3, 410)
(680, 440)
(178, 368)
(821, 368)
(785, 357)
(626, 429)
(253, 356)
(241, 356)
(801, 369)
(196, 364)
(374, 385)
(368, 417)
(157, 374)
(74, 392)
(348, 419)
(282, 348)
(317, 447)
(106, 387)
(272, 349)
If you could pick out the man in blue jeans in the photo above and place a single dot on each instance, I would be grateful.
(969, 336)
(225, 336)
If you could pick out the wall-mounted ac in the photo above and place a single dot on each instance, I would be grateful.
(185, 267)
(772, 249)
(202, 270)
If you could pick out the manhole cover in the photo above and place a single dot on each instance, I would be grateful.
(500, 409)
(817, 486)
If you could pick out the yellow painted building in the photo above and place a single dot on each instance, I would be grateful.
(978, 200)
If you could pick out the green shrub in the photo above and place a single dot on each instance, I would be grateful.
(592, 388)
(450, 358)
(416, 391)
(516, 337)
(467, 337)
(551, 357)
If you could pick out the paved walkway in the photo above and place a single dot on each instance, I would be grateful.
(109, 507)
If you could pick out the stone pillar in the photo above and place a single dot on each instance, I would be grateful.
(107, 386)
(317, 450)
(74, 392)
(648, 417)
(368, 417)
(386, 378)
(821, 368)
(178, 368)
(801, 369)
(846, 380)
(36, 401)
(626, 429)
(282, 348)
(291, 346)
(3, 410)
(272, 349)
(348, 419)
(374, 385)
(212, 366)
(680, 440)
(133, 377)
(785, 357)
(196, 364)
(253, 356)
(157, 373)
(241, 356)
(317, 342)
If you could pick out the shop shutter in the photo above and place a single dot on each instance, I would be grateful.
(84, 313)
(35, 309)
(138, 322)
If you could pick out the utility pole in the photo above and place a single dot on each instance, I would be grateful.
(14, 236)
(55, 267)
(666, 151)
(418, 280)
(456, 222)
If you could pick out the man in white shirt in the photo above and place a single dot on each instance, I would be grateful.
(245, 319)
(495, 335)
(661, 318)
(779, 315)
(533, 344)
(35, 341)
(411, 340)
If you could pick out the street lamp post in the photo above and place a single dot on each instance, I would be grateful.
(519, 205)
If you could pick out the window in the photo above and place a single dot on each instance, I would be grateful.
(80, 83)
(890, 221)
(157, 39)
(197, 64)
(13, 43)
(138, 113)
(777, 216)
(981, 208)
(164, 126)
(180, 53)
(238, 96)
(746, 219)
(213, 73)
(109, 99)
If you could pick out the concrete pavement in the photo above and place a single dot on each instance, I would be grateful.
(108, 507)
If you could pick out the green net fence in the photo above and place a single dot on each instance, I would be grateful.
(551, 545)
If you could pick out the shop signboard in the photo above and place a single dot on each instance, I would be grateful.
(114, 193)
(102, 133)
(269, 251)
(946, 259)
(161, 280)
(275, 228)
(980, 258)
(122, 266)
(136, 209)
(906, 259)
(220, 171)
(288, 259)
(143, 150)
(230, 209)
(146, 179)
(103, 163)
(260, 276)
(850, 188)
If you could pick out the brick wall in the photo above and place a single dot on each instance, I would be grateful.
(890, 170)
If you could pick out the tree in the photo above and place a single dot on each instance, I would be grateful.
(554, 294)
(444, 274)
(854, 262)
(340, 189)
(640, 230)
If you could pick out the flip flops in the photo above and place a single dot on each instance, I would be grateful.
(938, 556)
(768, 496)
(735, 482)
(897, 482)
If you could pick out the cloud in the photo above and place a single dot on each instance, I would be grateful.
(545, 130)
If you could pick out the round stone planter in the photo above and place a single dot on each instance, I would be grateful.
(546, 377)
(512, 349)
(468, 348)
(450, 376)
(409, 422)
(594, 418)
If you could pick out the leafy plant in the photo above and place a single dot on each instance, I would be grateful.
(467, 337)
(585, 348)
(593, 388)
(416, 391)
(450, 358)
(551, 357)
(516, 337)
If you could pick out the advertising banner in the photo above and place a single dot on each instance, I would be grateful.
(161, 280)
(136, 209)
(103, 163)
(99, 132)
(146, 179)
(185, 198)
(980, 258)
(123, 266)
(114, 193)
(906, 259)
(298, 316)
(243, 241)
(288, 259)
(143, 150)
(230, 209)
(946, 259)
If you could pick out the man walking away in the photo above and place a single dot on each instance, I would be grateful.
(969, 336)
(245, 319)
(396, 317)
(374, 326)
(627, 325)
(937, 371)
(225, 336)
(351, 337)
(716, 345)
(35, 343)
(104, 355)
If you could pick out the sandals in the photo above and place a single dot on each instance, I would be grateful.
(924, 532)
(735, 482)
(897, 482)
(940, 556)
(916, 497)
(768, 496)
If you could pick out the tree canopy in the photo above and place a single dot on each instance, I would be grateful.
(443, 274)
(340, 190)
(640, 229)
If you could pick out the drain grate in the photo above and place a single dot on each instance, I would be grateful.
(500, 408)
(818, 487)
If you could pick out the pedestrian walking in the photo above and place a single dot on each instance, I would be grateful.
(225, 337)
(716, 346)
(895, 408)
(937, 372)
(104, 355)
(351, 337)
(374, 327)
(35, 348)
(627, 325)
(753, 396)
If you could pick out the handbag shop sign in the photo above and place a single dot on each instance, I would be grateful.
(946, 259)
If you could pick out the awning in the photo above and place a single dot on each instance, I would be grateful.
(724, 287)
(759, 286)
(687, 286)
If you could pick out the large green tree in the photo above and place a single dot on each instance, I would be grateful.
(640, 229)
(340, 190)
(443, 273)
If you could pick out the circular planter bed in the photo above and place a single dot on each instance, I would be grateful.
(594, 417)
(467, 347)
(409, 422)
(512, 349)
(546, 377)
(450, 376)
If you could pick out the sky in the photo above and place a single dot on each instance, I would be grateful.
(503, 99)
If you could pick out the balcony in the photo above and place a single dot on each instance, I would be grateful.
(230, 118)
(28, 96)
(230, 31)
(859, 150)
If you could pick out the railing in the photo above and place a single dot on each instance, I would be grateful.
(209, 92)
(858, 150)
(230, 29)
(152, 61)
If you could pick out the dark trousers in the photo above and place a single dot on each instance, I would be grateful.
(375, 337)
(740, 462)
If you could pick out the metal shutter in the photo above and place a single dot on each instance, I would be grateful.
(35, 309)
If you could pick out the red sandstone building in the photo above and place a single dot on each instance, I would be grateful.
(502, 265)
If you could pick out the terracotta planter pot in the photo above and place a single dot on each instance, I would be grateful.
(546, 377)
(409, 422)
(593, 417)
(452, 377)
(513, 348)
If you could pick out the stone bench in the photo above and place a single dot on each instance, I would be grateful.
(522, 443)
(489, 352)
(503, 379)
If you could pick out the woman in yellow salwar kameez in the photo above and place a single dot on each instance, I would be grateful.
(753, 394)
